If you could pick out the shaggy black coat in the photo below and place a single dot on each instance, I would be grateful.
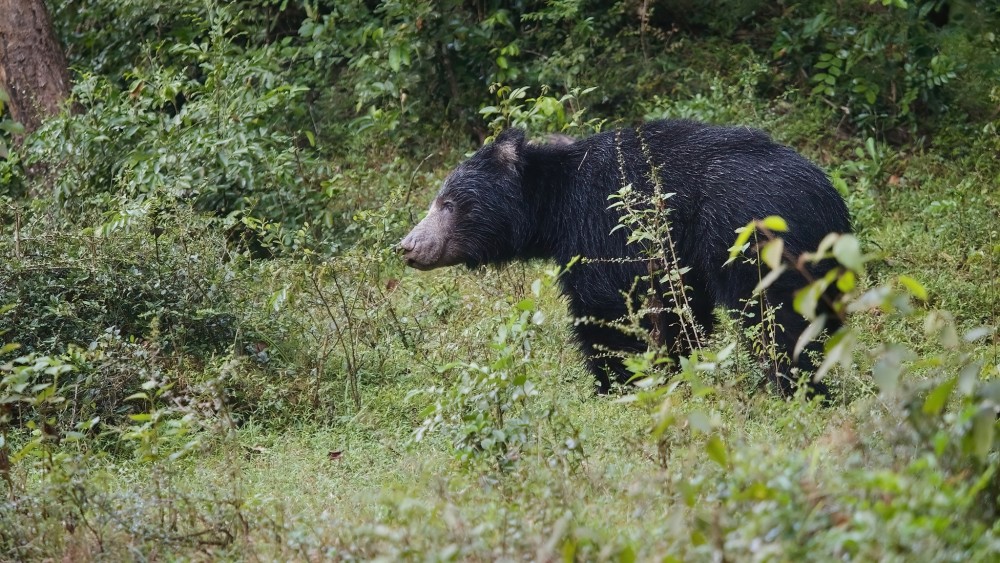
(515, 200)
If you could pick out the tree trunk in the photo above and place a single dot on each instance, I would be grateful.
(32, 65)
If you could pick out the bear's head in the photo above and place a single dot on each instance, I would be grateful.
(480, 216)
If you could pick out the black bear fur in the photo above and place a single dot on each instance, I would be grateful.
(514, 200)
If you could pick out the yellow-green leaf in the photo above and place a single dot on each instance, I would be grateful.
(846, 281)
(775, 223)
(716, 450)
(741, 241)
(773, 252)
(914, 287)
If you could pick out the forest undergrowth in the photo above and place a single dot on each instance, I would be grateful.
(210, 349)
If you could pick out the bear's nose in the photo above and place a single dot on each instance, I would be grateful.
(405, 245)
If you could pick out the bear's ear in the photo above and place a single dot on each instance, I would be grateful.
(508, 146)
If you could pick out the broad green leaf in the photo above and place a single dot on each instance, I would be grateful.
(775, 223)
(395, 57)
(983, 430)
(773, 252)
(716, 450)
(807, 298)
(937, 398)
(870, 145)
(847, 251)
(12, 127)
(914, 287)
(846, 281)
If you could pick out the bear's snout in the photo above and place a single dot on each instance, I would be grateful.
(429, 244)
(419, 250)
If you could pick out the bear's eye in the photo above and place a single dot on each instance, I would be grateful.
(448, 206)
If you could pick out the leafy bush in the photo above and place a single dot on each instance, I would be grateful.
(135, 277)
(890, 68)
(201, 131)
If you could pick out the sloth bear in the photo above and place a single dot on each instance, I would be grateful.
(514, 200)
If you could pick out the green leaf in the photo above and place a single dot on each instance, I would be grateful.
(278, 299)
(872, 150)
(538, 318)
(983, 430)
(914, 287)
(846, 281)
(807, 299)
(395, 56)
(741, 241)
(775, 223)
(937, 398)
(716, 450)
(847, 251)
(773, 252)
(12, 127)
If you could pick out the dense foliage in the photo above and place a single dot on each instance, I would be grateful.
(208, 347)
